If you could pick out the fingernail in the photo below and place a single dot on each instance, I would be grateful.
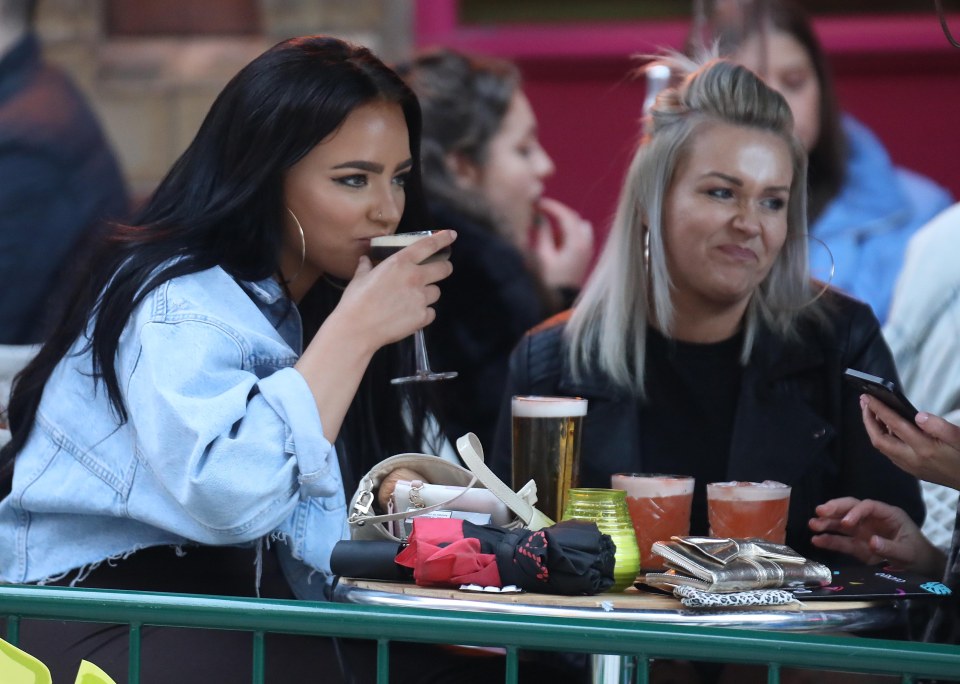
(863, 401)
(923, 417)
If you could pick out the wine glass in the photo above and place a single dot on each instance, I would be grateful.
(382, 247)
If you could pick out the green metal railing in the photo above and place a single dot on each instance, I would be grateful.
(513, 632)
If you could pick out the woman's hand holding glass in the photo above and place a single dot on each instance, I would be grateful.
(391, 301)
(928, 449)
(379, 306)
(381, 249)
(873, 531)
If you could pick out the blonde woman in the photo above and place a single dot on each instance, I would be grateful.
(700, 341)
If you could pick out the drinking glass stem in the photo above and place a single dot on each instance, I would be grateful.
(420, 350)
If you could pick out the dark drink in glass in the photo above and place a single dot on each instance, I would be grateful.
(387, 245)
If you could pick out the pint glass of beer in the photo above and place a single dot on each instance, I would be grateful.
(659, 507)
(546, 447)
(744, 510)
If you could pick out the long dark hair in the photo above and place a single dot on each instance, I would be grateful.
(221, 204)
(828, 158)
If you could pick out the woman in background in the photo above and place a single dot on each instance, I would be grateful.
(483, 170)
(862, 206)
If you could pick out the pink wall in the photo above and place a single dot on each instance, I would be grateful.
(897, 74)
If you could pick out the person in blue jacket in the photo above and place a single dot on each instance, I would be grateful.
(59, 179)
(863, 206)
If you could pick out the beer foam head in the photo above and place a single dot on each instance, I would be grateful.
(652, 485)
(399, 239)
(767, 490)
(548, 407)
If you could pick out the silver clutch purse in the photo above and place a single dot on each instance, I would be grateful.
(724, 565)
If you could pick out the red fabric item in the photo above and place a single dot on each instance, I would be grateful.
(440, 555)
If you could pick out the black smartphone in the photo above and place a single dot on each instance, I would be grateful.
(884, 390)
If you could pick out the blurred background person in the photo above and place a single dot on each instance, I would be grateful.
(59, 180)
(520, 256)
(702, 344)
(862, 206)
(923, 329)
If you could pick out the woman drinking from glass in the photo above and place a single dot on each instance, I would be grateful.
(223, 370)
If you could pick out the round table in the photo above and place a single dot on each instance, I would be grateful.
(809, 616)
(630, 605)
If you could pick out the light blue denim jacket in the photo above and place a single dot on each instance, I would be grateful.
(223, 444)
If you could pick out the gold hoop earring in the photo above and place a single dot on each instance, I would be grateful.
(303, 246)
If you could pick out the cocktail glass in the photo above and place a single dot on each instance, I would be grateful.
(659, 507)
(382, 247)
(744, 510)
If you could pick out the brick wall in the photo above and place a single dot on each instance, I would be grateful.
(152, 92)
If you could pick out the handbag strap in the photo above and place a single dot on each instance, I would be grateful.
(471, 451)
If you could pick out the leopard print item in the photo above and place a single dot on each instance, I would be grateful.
(695, 598)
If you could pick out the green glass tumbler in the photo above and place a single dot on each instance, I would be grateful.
(608, 509)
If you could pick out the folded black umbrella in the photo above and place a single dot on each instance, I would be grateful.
(572, 557)
(369, 560)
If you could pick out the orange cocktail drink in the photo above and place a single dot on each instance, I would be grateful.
(748, 510)
(659, 507)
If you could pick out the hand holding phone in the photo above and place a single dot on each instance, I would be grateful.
(884, 390)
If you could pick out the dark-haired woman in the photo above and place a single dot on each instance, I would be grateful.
(221, 374)
(483, 175)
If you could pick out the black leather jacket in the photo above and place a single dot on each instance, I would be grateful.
(797, 421)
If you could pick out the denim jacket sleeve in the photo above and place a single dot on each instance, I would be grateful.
(235, 447)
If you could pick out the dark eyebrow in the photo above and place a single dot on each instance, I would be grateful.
(371, 167)
(739, 183)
